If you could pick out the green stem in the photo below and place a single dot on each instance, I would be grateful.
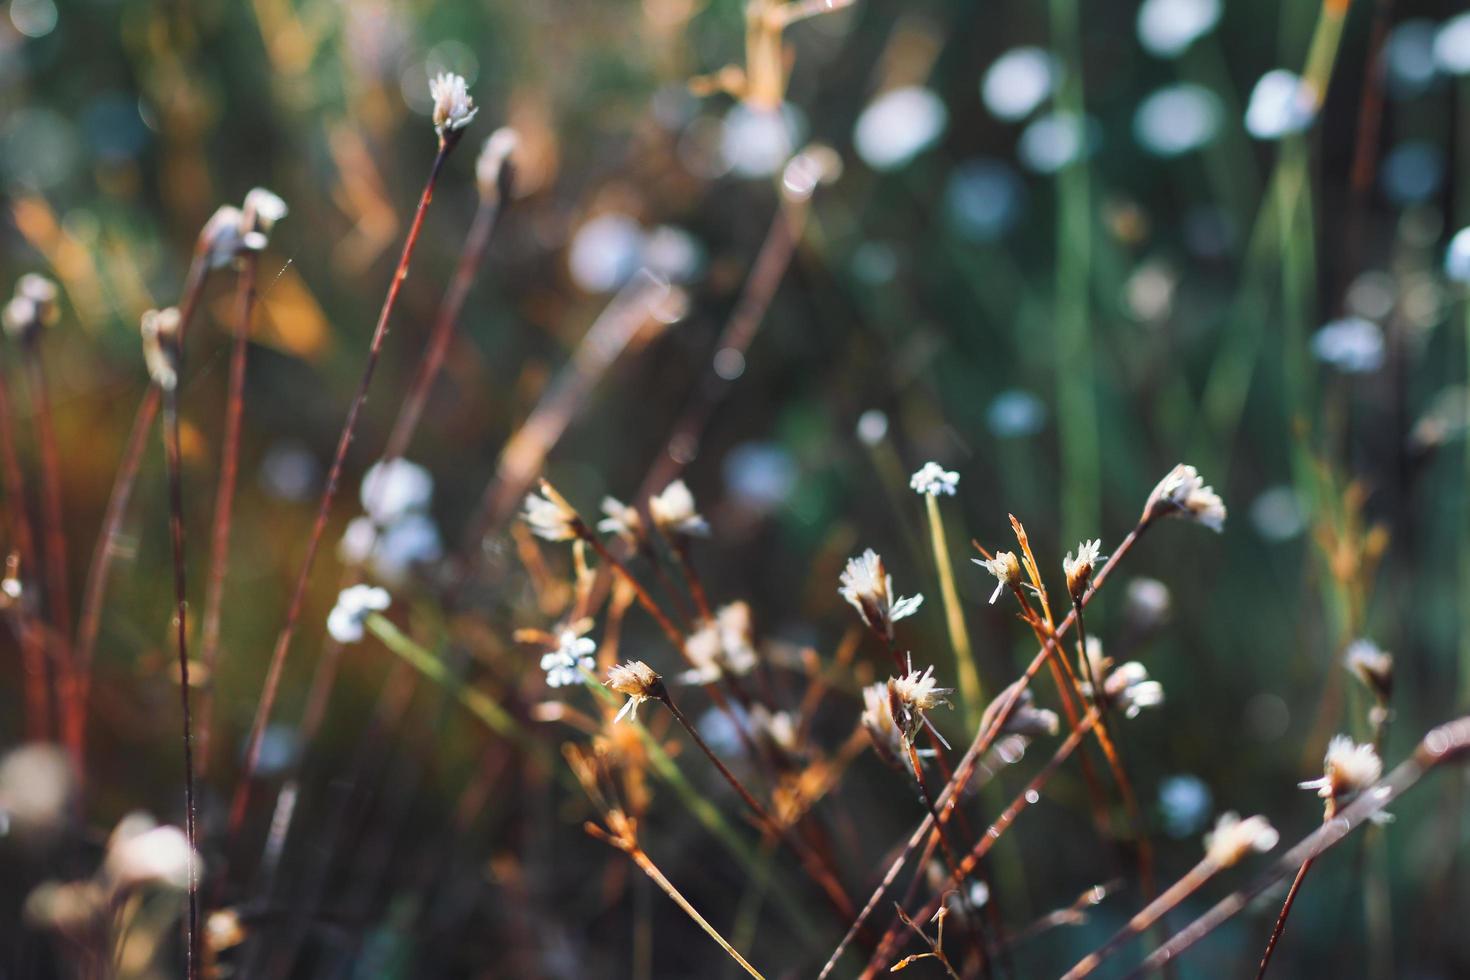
(959, 636)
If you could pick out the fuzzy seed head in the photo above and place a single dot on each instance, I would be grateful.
(1006, 568)
(549, 516)
(879, 723)
(1233, 839)
(638, 681)
(912, 696)
(1079, 569)
(1373, 666)
(1347, 770)
(867, 586)
(1182, 493)
(453, 107)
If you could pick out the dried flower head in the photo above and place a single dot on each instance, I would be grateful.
(495, 169)
(912, 696)
(140, 853)
(549, 516)
(869, 588)
(1234, 838)
(1006, 568)
(219, 239)
(623, 520)
(1347, 770)
(261, 211)
(1079, 569)
(160, 329)
(1371, 665)
(574, 653)
(673, 511)
(1025, 718)
(453, 107)
(345, 621)
(1128, 688)
(639, 682)
(33, 307)
(721, 646)
(1182, 493)
(879, 723)
(933, 480)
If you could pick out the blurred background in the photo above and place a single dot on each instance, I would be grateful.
(1071, 245)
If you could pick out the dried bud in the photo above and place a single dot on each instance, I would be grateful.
(495, 170)
(160, 330)
(913, 695)
(1079, 569)
(1006, 568)
(639, 682)
(453, 107)
(1372, 666)
(1182, 493)
(1234, 838)
(1347, 770)
(869, 588)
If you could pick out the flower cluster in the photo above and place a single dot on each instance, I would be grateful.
(396, 532)
(934, 480)
(1234, 838)
(345, 621)
(574, 653)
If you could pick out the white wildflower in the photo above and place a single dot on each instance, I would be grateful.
(869, 588)
(1006, 568)
(934, 480)
(1347, 770)
(574, 653)
(1234, 838)
(393, 488)
(912, 696)
(622, 519)
(1183, 493)
(453, 107)
(673, 511)
(141, 853)
(1079, 569)
(345, 621)
(549, 516)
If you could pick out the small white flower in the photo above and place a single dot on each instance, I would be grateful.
(1372, 665)
(933, 479)
(549, 516)
(141, 853)
(1182, 493)
(912, 695)
(345, 621)
(720, 647)
(878, 720)
(638, 681)
(160, 329)
(1281, 104)
(1347, 770)
(1006, 568)
(1079, 569)
(622, 519)
(869, 589)
(673, 511)
(573, 654)
(394, 488)
(1129, 688)
(1234, 838)
(453, 107)
(261, 211)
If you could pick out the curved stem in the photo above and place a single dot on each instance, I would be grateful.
(1296, 886)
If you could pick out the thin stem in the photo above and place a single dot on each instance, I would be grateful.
(32, 642)
(53, 532)
(329, 493)
(645, 599)
(959, 636)
(108, 540)
(172, 447)
(1192, 881)
(219, 554)
(1296, 886)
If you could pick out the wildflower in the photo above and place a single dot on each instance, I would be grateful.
(219, 239)
(495, 168)
(878, 721)
(720, 647)
(33, 307)
(1372, 665)
(573, 654)
(453, 107)
(141, 853)
(1234, 838)
(1347, 770)
(261, 211)
(549, 516)
(1079, 570)
(345, 621)
(1006, 567)
(912, 696)
(1025, 718)
(393, 488)
(1183, 493)
(673, 511)
(622, 519)
(934, 480)
(638, 681)
(160, 330)
(869, 589)
(1129, 688)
